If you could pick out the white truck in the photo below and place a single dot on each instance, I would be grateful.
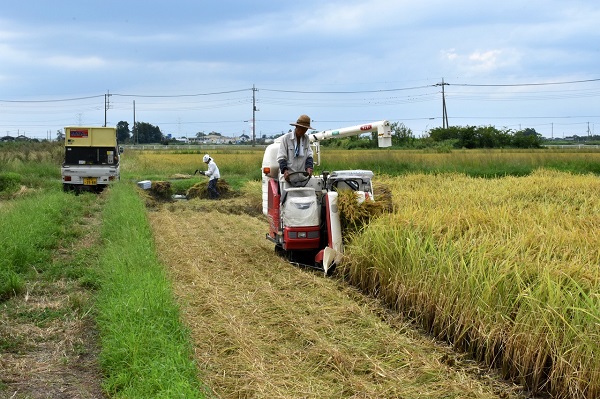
(91, 158)
(304, 222)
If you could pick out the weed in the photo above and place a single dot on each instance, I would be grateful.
(10, 284)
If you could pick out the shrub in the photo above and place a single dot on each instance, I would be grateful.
(9, 181)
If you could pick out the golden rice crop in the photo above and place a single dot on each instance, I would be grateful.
(507, 269)
(355, 215)
(161, 163)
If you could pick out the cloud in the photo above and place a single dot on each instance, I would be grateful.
(450, 55)
(12, 56)
(485, 61)
(75, 62)
(481, 62)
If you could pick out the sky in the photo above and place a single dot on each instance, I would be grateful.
(200, 66)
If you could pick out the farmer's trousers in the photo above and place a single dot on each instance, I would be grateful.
(213, 193)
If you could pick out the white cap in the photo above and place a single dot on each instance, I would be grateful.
(205, 158)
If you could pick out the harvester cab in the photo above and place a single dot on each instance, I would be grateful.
(304, 221)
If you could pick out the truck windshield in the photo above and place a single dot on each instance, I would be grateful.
(91, 156)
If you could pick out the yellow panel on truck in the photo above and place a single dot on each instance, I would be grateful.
(81, 136)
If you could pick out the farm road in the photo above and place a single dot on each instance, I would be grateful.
(262, 328)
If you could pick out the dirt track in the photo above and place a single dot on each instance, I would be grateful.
(263, 328)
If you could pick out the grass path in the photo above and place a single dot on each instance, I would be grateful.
(48, 337)
(264, 328)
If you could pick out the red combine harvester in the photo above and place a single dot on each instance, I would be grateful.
(304, 222)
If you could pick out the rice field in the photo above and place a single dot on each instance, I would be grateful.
(506, 269)
(233, 164)
(496, 252)
(246, 162)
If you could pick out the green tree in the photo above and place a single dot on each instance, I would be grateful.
(486, 136)
(123, 131)
(527, 138)
(467, 137)
(401, 135)
(504, 138)
(476, 137)
(147, 133)
(443, 134)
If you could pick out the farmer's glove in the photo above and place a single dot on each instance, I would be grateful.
(203, 172)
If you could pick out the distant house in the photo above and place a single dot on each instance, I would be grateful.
(215, 139)
(18, 138)
(212, 139)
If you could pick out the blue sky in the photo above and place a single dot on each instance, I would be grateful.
(190, 66)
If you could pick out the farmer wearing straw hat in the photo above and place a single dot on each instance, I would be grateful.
(295, 154)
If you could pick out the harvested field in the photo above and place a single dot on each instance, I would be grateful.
(263, 328)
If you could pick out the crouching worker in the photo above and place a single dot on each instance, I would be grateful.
(213, 176)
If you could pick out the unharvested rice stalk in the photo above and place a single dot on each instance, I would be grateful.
(355, 215)
(505, 269)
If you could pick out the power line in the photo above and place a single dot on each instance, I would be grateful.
(303, 91)
(525, 84)
(236, 98)
(348, 92)
(181, 95)
(51, 101)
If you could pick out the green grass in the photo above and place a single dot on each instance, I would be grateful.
(37, 164)
(146, 352)
(31, 228)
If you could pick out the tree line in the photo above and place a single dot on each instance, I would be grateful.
(143, 133)
(450, 137)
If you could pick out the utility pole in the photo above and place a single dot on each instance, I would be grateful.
(106, 105)
(254, 109)
(135, 138)
(588, 130)
(444, 110)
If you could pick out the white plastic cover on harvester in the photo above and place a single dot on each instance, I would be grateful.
(299, 207)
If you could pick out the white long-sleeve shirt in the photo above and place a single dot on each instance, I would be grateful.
(213, 170)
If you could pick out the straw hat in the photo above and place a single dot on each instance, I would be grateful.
(303, 121)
